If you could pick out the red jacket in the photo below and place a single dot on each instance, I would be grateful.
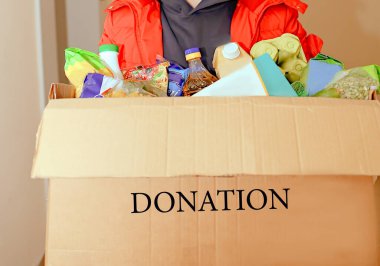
(135, 26)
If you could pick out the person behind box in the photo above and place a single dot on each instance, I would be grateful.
(144, 29)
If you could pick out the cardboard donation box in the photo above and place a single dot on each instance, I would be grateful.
(210, 181)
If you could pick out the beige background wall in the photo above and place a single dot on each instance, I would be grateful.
(78, 25)
(61, 35)
(350, 29)
(49, 45)
(83, 24)
(22, 201)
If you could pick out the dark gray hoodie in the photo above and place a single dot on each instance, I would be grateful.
(207, 26)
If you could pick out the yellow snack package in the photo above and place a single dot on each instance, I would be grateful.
(80, 63)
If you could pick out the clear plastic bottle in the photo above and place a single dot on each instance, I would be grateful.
(199, 77)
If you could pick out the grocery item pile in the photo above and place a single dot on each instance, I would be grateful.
(276, 67)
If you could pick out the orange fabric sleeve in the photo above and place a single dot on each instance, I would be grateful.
(281, 19)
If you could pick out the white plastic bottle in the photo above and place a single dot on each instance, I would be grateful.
(109, 53)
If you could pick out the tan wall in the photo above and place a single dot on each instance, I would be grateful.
(83, 24)
(78, 25)
(22, 204)
(49, 44)
(102, 8)
(61, 34)
(350, 29)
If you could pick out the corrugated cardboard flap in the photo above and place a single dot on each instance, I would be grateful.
(159, 137)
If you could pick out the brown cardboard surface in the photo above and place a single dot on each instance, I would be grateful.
(42, 262)
(146, 137)
(330, 220)
(97, 152)
(61, 91)
(377, 199)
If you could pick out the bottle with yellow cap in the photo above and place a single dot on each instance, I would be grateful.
(199, 77)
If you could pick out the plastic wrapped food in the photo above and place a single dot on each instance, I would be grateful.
(374, 72)
(100, 86)
(351, 84)
(320, 72)
(155, 78)
(300, 89)
(177, 79)
(79, 63)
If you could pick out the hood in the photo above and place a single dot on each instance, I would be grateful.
(253, 5)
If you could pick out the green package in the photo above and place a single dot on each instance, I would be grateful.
(80, 63)
(328, 60)
(354, 84)
(374, 72)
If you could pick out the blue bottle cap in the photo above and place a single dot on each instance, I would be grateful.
(192, 51)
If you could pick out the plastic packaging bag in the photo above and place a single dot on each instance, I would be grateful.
(177, 77)
(155, 78)
(79, 63)
(100, 86)
(320, 71)
(300, 89)
(350, 84)
(374, 72)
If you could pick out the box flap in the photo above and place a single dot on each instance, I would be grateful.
(61, 91)
(165, 137)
